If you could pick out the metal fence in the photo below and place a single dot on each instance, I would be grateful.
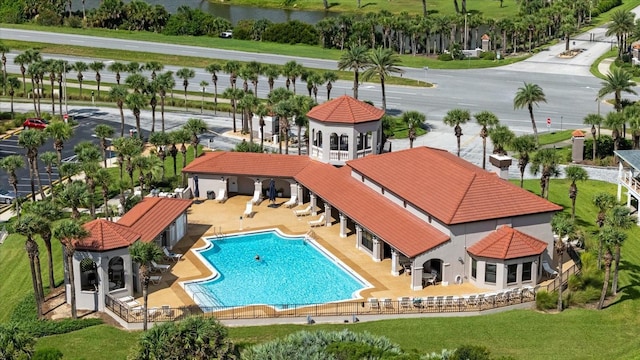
(430, 304)
(552, 286)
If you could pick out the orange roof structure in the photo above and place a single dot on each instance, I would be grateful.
(106, 235)
(241, 163)
(507, 243)
(152, 215)
(485, 37)
(577, 133)
(448, 188)
(347, 110)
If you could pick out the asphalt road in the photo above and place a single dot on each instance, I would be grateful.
(571, 95)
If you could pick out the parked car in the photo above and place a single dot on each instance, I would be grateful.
(34, 123)
(7, 197)
(227, 34)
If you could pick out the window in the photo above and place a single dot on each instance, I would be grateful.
(490, 273)
(88, 275)
(319, 142)
(344, 142)
(512, 273)
(367, 240)
(333, 141)
(526, 271)
(474, 268)
(116, 273)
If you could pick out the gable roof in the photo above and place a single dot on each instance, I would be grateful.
(387, 220)
(242, 163)
(447, 187)
(152, 215)
(345, 109)
(507, 243)
(106, 235)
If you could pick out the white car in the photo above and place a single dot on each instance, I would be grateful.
(7, 197)
(227, 34)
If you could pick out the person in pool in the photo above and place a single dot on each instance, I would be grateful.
(257, 257)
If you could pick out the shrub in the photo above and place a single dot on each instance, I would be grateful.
(47, 354)
(74, 22)
(246, 146)
(48, 17)
(471, 352)
(242, 30)
(291, 32)
(488, 55)
(445, 57)
(546, 300)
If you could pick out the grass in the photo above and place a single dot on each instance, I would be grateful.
(554, 137)
(573, 334)
(594, 67)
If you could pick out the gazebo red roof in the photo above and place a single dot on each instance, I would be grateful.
(107, 235)
(577, 133)
(507, 243)
(346, 110)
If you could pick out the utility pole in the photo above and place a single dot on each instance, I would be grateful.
(64, 70)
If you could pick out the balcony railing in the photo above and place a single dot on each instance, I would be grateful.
(338, 155)
(316, 152)
(631, 182)
(363, 153)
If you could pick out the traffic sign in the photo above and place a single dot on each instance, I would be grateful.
(66, 116)
(548, 122)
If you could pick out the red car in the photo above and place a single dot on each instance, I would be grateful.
(34, 124)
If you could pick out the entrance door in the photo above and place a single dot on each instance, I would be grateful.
(233, 184)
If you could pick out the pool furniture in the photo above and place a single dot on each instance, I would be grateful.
(292, 202)
(418, 303)
(155, 279)
(160, 267)
(132, 304)
(167, 311)
(549, 269)
(171, 255)
(126, 299)
(304, 212)
(405, 302)
(222, 195)
(387, 303)
(152, 312)
(373, 303)
(317, 222)
(406, 265)
(257, 197)
(248, 211)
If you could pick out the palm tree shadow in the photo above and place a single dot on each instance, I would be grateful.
(368, 4)
(632, 290)
(394, 112)
(332, 5)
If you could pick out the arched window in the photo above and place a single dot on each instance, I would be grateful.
(319, 135)
(344, 142)
(360, 144)
(116, 273)
(88, 275)
(333, 141)
(313, 136)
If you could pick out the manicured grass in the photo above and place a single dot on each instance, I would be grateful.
(96, 342)
(594, 67)
(554, 137)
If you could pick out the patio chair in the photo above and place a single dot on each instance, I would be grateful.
(292, 202)
(418, 303)
(167, 311)
(136, 311)
(439, 302)
(549, 269)
(317, 222)
(257, 197)
(405, 302)
(222, 195)
(373, 303)
(248, 211)
(449, 302)
(304, 212)
(171, 255)
(132, 304)
(387, 303)
(155, 279)
(152, 312)
(126, 299)
(429, 302)
(160, 267)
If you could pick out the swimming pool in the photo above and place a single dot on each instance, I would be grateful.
(290, 270)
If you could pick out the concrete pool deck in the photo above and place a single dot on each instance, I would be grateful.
(206, 217)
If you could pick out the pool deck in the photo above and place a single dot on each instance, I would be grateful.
(206, 217)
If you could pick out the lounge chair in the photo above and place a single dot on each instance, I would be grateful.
(248, 211)
(152, 312)
(373, 303)
(405, 302)
(317, 222)
(549, 269)
(418, 303)
(171, 255)
(292, 202)
(155, 279)
(257, 197)
(387, 303)
(222, 195)
(167, 311)
(160, 267)
(304, 212)
(126, 299)
(136, 311)
(132, 304)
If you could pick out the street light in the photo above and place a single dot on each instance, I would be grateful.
(426, 68)
(465, 30)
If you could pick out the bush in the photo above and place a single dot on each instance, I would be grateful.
(488, 55)
(291, 32)
(47, 354)
(74, 22)
(471, 352)
(546, 300)
(48, 17)
(604, 146)
(606, 5)
(246, 146)
(445, 57)
(242, 30)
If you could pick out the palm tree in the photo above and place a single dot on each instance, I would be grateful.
(49, 159)
(485, 119)
(248, 104)
(622, 23)
(103, 132)
(234, 95)
(30, 226)
(381, 64)
(455, 118)
(80, 67)
(203, 85)
(165, 82)
(329, 77)
(31, 140)
(214, 69)
(301, 106)
(74, 196)
(501, 137)
(527, 96)
(262, 111)
(617, 81)
(60, 132)
(103, 179)
(143, 254)
(4, 49)
(154, 67)
(232, 67)
(69, 233)
(89, 160)
(355, 59)
(562, 226)
(118, 94)
(575, 173)
(619, 218)
(46, 211)
(137, 82)
(615, 121)
(272, 72)
(10, 164)
(62, 68)
(178, 137)
(278, 102)
(185, 74)
(14, 84)
(254, 69)
(292, 70)
(594, 120)
(160, 140)
(117, 68)
(195, 127)
(97, 66)
(631, 114)
(545, 162)
(50, 66)
(610, 237)
(21, 59)
(524, 145)
(413, 120)
(133, 67)
(136, 102)
(603, 201)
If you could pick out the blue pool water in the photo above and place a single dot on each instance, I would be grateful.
(291, 270)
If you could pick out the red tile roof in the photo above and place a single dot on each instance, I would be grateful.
(507, 243)
(106, 235)
(448, 188)
(241, 163)
(577, 133)
(152, 215)
(347, 110)
(388, 221)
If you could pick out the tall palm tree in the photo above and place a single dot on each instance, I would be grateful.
(615, 121)
(632, 116)
(329, 77)
(562, 226)
(134, 67)
(382, 64)
(527, 96)
(4, 49)
(501, 137)
(594, 120)
(248, 104)
(11, 164)
(22, 60)
(524, 145)
(49, 159)
(254, 69)
(280, 95)
(60, 132)
(31, 140)
(97, 66)
(143, 254)
(50, 66)
(575, 173)
(203, 85)
(272, 72)
(69, 233)
(103, 179)
(292, 70)
(355, 58)
(136, 102)
(165, 82)
(178, 137)
(620, 218)
(154, 67)
(137, 82)
(117, 68)
(621, 25)
(214, 69)
(185, 74)
(233, 95)
(80, 67)
(413, 120)
(455, 118)
(118, 94)
(301, 106)
(545, 162)
(14, 84)
(160, 140)
(603, 201)
(617, 81)
(486, 119)
(103, 132)
(34, 73)
(89, 160)
(195, 127)
(610, 237)
(262, 111)
(152, 89)
(74, 196)
(62, 68)
(232, 67)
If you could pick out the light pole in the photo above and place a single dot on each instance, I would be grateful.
(426, 69)
(465, 31)
(64, 70)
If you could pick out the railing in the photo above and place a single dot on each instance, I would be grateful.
(433, 304)
(552, 286)
(363, 153)
(338, 155)
(630, 181)
(316, 152)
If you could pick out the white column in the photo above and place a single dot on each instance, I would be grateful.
(327, 215)
(395, 263)
(343, 225)
(257, 186)
(377, 250)
(620, 180)
(416, 278)
(300, 192)
(312, 200)
(358, 236)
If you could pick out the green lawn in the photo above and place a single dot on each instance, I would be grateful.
(524, 334)
(554, 137)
